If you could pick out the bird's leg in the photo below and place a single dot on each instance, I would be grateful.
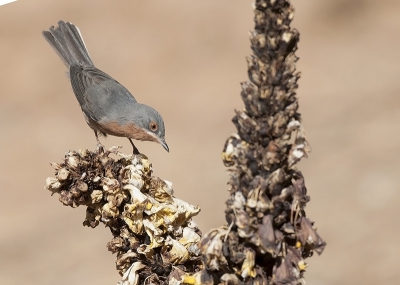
(135, 149)
(100, 147)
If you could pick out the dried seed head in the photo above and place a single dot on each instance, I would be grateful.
(266, 210)
(146, 220)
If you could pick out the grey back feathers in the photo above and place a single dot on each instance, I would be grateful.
(99, 95)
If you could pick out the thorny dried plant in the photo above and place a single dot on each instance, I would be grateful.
(268, 236)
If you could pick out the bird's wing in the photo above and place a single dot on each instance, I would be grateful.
(96, 92)
(83, 78)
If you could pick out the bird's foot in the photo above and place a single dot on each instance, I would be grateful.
(135, 149)
(100, 148)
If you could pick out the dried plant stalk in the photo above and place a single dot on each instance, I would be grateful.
(269, 235)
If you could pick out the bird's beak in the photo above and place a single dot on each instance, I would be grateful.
(164, 144)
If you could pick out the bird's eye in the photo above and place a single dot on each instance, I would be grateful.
(153, 126)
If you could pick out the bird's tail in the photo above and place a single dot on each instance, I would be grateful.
(67, 42)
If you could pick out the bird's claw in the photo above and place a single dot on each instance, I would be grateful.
(100, 148)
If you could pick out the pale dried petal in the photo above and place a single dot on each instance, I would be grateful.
(189, 236)
(229, 279)
(52, 184)
(131, 276)
(96, 196)
(174, 252)
(211, 247)
(248, 265)
(133, 217)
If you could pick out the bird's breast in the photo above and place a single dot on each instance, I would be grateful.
(129, 130)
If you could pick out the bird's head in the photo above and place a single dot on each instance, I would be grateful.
(152, 124)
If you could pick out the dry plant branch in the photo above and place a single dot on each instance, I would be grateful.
(268, 236)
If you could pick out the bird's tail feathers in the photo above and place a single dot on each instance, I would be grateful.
(67, 42)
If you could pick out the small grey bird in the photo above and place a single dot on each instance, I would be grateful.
(108, 107)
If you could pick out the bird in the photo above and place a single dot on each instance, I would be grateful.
(108, 107)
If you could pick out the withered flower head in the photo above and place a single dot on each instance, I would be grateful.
(152, 229)
(268, 235)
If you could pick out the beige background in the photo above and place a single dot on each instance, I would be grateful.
(186, 58)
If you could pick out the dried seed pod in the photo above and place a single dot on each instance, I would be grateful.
(81, 186)
(62, 174)
(52, 184)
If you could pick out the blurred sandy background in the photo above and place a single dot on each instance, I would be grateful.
(186, 59)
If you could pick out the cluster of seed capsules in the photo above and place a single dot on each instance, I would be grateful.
(154, 237)
(268, 236)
